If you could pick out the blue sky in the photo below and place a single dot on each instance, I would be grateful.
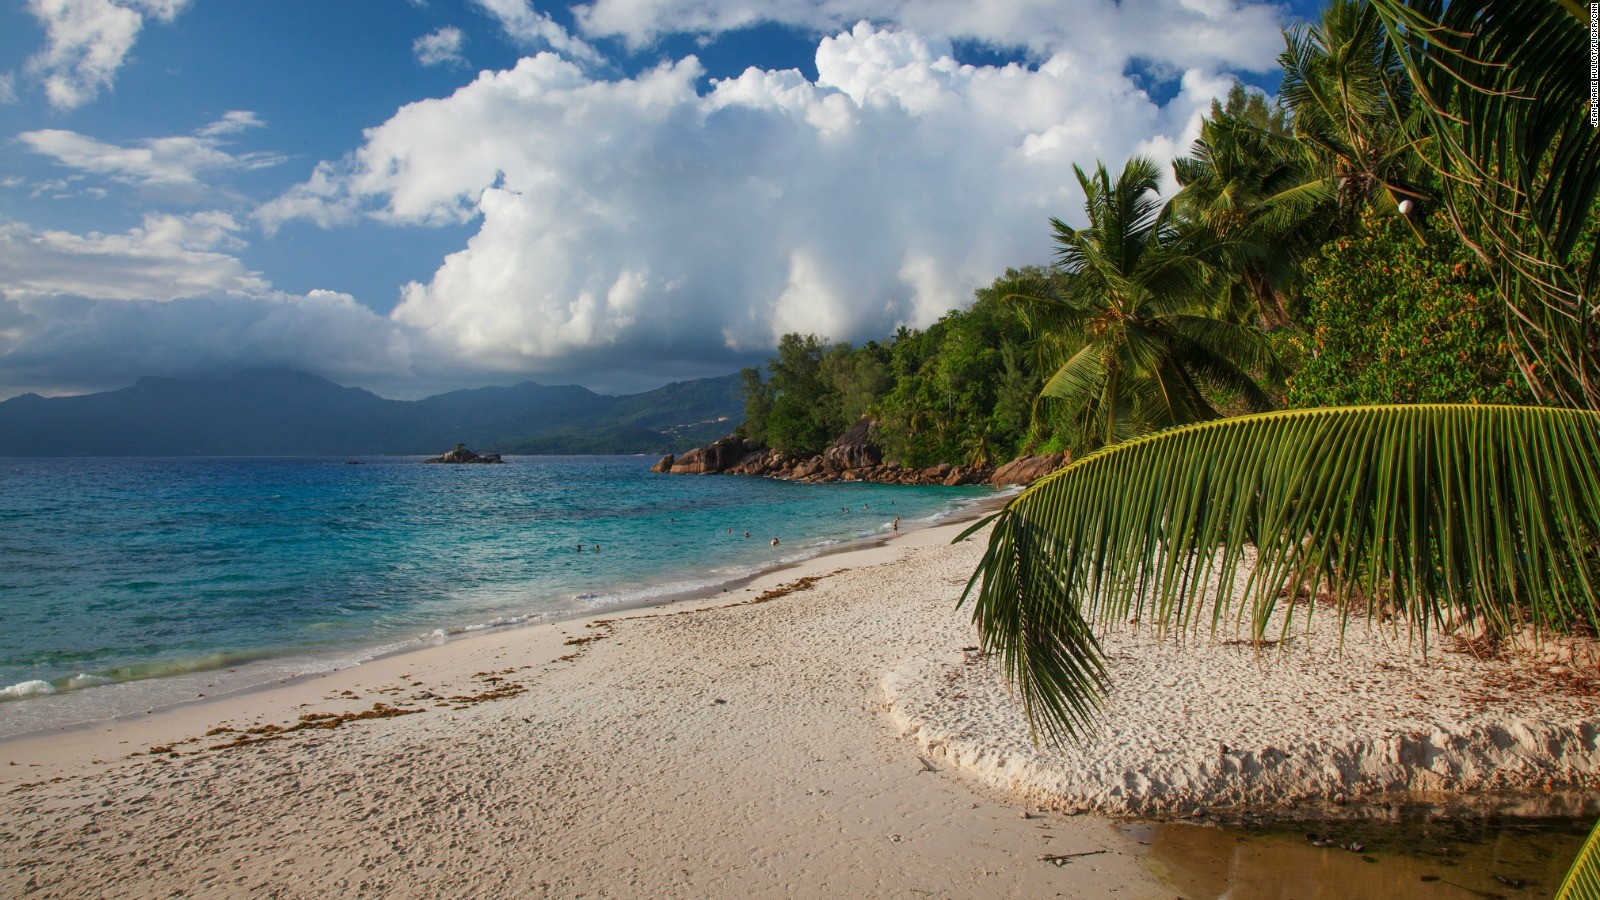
(415, 196)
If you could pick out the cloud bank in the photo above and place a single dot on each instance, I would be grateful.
(644, 217)
(627, 228)
(89, 311)
(165, 258)
(111, 342)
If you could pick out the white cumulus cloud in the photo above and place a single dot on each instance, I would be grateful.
(440, 47)
(646, 218)
(93, 311)
(87, 41)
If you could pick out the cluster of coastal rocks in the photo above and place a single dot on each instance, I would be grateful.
(853, 457)
(461, 455)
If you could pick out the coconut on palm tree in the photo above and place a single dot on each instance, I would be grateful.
(1345, 87)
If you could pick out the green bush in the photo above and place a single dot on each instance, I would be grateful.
(1394, 319)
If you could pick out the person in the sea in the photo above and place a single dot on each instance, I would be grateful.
(597, 548)
(747, 534)
(580, 548)
(774, 542)
(895, 524)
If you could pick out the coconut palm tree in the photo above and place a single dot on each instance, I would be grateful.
(1346, 90)
(1441, 514)
(1249, 186)
(1124, 324)
(1500, 97)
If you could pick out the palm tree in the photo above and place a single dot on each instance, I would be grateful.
(1249, 186)
(1444, 514)
(1344, 85)
(1123, 322)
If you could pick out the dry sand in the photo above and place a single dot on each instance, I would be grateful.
(735, 751)
(1201, 721)
(730, 748)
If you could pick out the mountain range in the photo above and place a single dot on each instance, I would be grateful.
(281, 412)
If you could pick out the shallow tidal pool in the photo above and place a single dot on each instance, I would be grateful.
(1500, 847)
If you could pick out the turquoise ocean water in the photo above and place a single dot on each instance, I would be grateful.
(130, 583)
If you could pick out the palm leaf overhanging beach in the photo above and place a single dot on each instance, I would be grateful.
(1583, 879)
(1429, 517)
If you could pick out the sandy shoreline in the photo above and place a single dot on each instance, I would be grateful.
(63, 712)
(604, 768)
(759, 742)
(1196, 723)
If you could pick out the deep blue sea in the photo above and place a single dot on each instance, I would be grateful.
(129, 583)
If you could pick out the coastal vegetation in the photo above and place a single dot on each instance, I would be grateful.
(1327, 247)
(1465, 123)
(1414, 222)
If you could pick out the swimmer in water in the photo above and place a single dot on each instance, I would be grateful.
(774, 542)
(597, 548)
(747, 534)
(580, 548)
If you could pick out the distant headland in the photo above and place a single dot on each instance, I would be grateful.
(282, 412)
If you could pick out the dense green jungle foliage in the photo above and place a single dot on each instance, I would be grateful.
(1313, 255)
(1394, 319)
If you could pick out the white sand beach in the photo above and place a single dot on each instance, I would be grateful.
(833, 739)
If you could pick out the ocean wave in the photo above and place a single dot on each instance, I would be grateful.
(36, 687)
(24, 690)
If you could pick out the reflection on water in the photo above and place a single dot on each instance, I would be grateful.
(1506, 847)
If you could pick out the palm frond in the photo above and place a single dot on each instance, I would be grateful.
(1440, 516)
(1583, 879)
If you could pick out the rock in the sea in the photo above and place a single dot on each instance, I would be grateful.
(462, 455)
(665, 465)
(1028, 469)
(724, 453)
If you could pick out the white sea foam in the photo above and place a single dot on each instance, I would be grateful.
(25, 689)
